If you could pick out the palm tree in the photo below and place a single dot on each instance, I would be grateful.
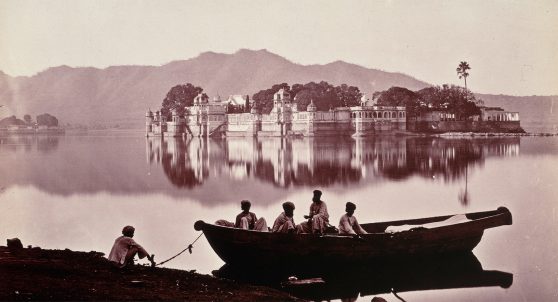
(462, 71)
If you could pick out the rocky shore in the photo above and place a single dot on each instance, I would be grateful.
(37, 274)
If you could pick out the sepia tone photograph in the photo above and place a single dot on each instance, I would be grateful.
(250, 150)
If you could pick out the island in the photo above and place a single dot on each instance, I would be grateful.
(321, 109)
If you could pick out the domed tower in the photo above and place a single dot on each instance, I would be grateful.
(295, 104)
(282, 96)
(363, 100)
(201, 100)
(204, 99)
(148, 121)
(311, 107)
(175, 117)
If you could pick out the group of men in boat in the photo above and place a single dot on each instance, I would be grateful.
(317, 220)
(125, 248)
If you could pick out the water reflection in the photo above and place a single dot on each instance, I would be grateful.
(397, 275)
(42, 143)
(321, 161)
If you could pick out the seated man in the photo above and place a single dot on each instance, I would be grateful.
(284, 222)
(348, 224)
(125, 249)
(246, 219)
(318, 219)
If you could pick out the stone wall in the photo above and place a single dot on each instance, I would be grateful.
(464, 126)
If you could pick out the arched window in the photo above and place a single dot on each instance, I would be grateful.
(386, 114)
(393, 115)
(400, 113)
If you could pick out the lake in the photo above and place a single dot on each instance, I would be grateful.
(78, 191)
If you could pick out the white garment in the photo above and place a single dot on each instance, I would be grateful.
(452, 220)
(349, 226)
(121, 247)
(283, 224)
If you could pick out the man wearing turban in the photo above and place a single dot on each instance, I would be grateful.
(125, 249)
(318, 218)
(246, 220)
(284, 222)
(348, 224)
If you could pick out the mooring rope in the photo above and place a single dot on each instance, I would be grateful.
(396, 295)
(189, 249)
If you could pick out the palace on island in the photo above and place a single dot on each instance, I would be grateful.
(210, 118)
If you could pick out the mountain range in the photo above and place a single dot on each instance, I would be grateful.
(120, 95)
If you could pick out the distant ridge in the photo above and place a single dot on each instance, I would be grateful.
(122, 94)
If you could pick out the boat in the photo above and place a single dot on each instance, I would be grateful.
(424, 237)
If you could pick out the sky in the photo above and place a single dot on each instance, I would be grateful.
(511, 46)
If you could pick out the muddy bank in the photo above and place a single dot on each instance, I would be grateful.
(37, 274)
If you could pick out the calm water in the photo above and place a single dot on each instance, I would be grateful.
(78, 191)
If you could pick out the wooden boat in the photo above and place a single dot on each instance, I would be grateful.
(238, 247)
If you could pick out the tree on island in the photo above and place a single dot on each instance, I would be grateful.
(179, 97)
(453, 99)
(27, 118)
(47, 120)
(462, 71)
(399, 96)
(324, 95)
(11, 121)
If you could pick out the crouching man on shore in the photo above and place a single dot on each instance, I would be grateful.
(125, 249)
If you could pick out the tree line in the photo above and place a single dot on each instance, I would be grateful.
(324, 95)
(44, 119)
(449, 98)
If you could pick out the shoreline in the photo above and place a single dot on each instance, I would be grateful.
(40, 274)
(392, 134)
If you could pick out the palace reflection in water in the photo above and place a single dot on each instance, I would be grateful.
(321, 161)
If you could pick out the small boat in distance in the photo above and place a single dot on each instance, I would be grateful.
(423, 237)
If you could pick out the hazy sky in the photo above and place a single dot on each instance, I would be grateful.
(512, 46)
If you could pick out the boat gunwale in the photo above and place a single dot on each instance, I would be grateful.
(501, 211)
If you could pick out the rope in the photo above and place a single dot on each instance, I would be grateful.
(189, 249)
(396, 295)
